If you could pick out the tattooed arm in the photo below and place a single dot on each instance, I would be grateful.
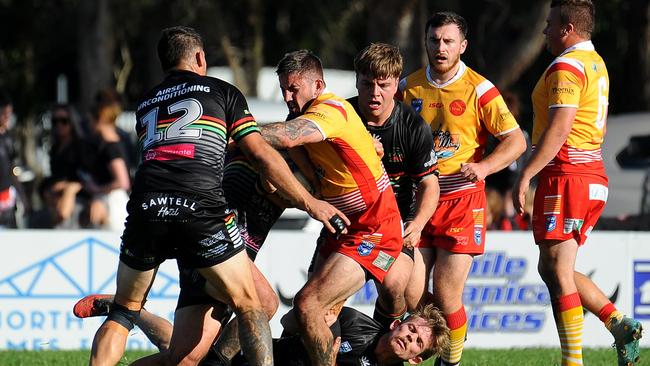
(296, 132)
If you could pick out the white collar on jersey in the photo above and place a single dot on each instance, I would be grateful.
(582, 46)
(459, 73)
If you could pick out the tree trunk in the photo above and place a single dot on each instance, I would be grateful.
(96, 50)
(637, 71)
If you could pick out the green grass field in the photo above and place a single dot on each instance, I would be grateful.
(471, 357)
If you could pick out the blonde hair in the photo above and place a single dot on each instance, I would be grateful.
(439, 329)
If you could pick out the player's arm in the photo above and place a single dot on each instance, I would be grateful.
(301, 158)
(270, 163)
(559, 127)
(511, 145)
(424, 170)
(292, 133)
(426, 201)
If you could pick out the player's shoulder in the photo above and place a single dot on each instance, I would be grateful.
(408, 117)
(476, 80)
(416, 78)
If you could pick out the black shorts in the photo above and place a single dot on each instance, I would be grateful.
(190, 228)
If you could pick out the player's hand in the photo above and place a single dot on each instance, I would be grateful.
(335, 349)
(379, 148)
(519, 194)
(473, 172)
(323, 212)
(412, 233)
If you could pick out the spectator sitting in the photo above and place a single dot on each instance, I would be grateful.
(59, 190)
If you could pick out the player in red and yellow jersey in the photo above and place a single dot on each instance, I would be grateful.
(570, 105)
(463, 108)
(353, 180)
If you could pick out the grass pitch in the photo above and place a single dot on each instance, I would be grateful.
(471, 357)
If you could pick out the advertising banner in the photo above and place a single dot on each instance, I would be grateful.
(43, 273)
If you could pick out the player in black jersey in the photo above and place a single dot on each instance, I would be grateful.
(177, 207)
(365, 342)
(362, 341)
(408, 156)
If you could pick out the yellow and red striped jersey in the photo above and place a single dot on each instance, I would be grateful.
(461, 112)
(350, 171)
(576, 79)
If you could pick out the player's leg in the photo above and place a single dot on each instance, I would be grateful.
(417, 290)
(626, 331)
(157, 329)
(325, 289)
(110, 339)
(450, 273)
(556, 267)
(233, 282)
(391, 299)
(227, 345)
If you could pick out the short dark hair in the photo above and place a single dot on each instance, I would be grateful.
(379, 60)
(5, 100)
(447, 17)
(177, 43)
(301, 61)
(439, 329)
(580, 13)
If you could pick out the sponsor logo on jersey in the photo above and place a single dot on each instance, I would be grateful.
(416, 104)
(551, 223)
(445, 144)
(436, 105)
(345, 347)
(461, 240)
(457, 107)
(170, 152)
(383, 261)
(572, 224)
(433, 159)
(365, 248)
(478, 235)
(456, 230)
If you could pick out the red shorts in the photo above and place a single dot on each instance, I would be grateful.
(568, 207)
(374, 239)
(458, 225)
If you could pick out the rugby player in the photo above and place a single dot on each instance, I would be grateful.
(361, 340)
(570, 106)
(408, 157)
(352, 178)
(177, 208)
(462, 108)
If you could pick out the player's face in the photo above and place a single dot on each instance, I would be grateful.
(444, 46)
(410, 338)
(376, 97)
(555, 32)
(298, 90)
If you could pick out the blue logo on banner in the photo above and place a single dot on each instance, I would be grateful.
(365, 248)
(641, 289)
(477, 236)
(77, 281)
(551, 223)
(416, 104)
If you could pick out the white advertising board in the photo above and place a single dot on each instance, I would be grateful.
(43, 273)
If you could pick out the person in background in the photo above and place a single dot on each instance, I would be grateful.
(462, 108)
(10, 186)
(104, 173)
(570, 106)
(60, 190)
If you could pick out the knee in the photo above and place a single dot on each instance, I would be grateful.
(305, 308)
(123, 315)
